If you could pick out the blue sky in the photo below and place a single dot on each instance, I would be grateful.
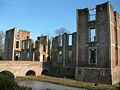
(44, 16)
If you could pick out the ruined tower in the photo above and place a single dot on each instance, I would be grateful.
(13, 43)
(20, 47)
(42, 49)
(98, 45)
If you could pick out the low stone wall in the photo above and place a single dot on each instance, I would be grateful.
(64, 72)
(95, 75)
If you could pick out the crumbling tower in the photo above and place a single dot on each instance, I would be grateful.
(13, 43)
(42, 49)
(98, 45)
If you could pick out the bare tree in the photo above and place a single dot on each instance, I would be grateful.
(61, 31)
(2, 35)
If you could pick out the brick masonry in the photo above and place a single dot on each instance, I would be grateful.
(20, 68)
(107, 23)
(86, 57)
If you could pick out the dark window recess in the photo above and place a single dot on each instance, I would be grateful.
(92, 35)
(16, 58)
(17, 44)
(43, 57)
(44, 48)
(92, 56)
(28, 37)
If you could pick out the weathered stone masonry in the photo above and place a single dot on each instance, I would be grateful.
(95, 47)
(21, 68)
(63, 55)
(98, 59)
(13, 45)
(19, 46)
(91, 54)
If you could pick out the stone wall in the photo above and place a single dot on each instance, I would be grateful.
(116, 75)
(63, 55)
(95, 75)
(20, 68)
(115, 25)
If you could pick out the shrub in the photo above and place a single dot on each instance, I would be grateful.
(10, 84)
(6, 83)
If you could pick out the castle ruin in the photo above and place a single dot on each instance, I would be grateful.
(91, 54)
(19, 46)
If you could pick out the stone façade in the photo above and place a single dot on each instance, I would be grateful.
(19, 46)
(104, 49)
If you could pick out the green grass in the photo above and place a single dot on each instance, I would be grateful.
(67, 82)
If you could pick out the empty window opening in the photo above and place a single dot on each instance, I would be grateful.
(92, 17)
(43, 57)
(16, 58)
(44, 48)
(92, 14)
(92, 55)
(60, 53)
(28, 37)
(116, 53)
(17, 44)
(92, 35)
(70, 40)
(60, 41)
